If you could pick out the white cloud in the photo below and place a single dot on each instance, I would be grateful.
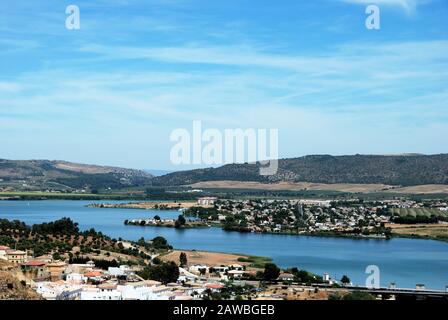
(322, 103)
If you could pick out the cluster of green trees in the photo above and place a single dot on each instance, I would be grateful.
(180, 222)
(43, 238)
(229, 291)
(303, 276)
(202, 213)
(62, 226)
(355, 295)
(99, 263)
(271, 272)
(234, 223)
(417, 219)
(164, 272)
(60, 236)
(157, 244)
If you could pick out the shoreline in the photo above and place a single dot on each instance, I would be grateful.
(352, 237)
(219, 225)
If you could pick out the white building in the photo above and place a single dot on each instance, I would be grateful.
(138, 291)
(207, 201)
(197, 268)
(220, 269)
(58, 290)
(235, 274)
(102, 292)
(75, 278)
(120, 271)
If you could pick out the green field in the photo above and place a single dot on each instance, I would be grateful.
(418, 215)
(255, 261)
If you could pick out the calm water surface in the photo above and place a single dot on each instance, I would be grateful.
(404, 261)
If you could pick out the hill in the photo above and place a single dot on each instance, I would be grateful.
(63, 175)
(404, 170)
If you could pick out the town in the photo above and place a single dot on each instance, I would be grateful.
(353, 217)
(55, 279)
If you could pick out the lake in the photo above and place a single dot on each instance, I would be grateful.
(403, 261)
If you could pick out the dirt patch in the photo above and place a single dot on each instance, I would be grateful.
(207, 258)
(341, 187)
(439, 230)
(299, 186)
(423, 189)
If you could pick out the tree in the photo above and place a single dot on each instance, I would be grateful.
(271, 271)
(141, 242)
(345, 279)
(180, 222)
(165, 272)
(181, 219)
(160, 243)
(183, 259)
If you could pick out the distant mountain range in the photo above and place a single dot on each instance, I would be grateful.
(67, 175)
(403, 170)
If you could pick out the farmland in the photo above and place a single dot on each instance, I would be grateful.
(437, 231)
(418, 215)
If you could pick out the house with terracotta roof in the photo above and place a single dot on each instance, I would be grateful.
(214, 287)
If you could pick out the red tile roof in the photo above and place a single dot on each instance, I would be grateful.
(93, 274)
(34, 264)
(214, 286)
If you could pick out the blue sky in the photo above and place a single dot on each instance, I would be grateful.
(111, 92)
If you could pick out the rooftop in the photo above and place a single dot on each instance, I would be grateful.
(34, 264)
